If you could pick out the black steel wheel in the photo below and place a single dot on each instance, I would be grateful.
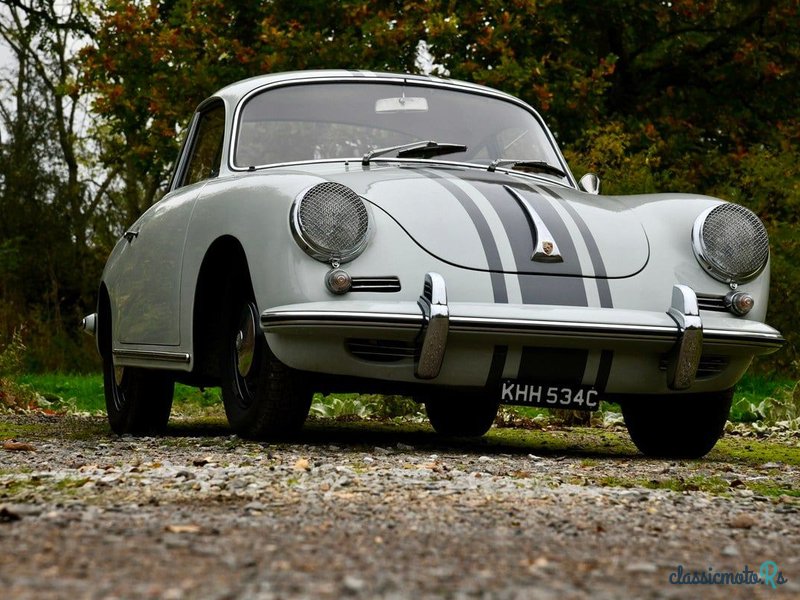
(460, 414)
(138, 401)
(264, 399)
(679, 426)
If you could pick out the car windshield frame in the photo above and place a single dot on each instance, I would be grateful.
(401, 87)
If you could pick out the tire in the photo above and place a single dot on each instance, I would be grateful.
(679, 426)
(138, 401)
(264, 399)
(460, 415)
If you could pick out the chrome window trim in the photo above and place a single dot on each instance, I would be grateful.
(178, 176)
(403, 162)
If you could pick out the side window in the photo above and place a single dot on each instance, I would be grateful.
(206, 150)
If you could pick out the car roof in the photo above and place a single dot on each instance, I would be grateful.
(234, 92)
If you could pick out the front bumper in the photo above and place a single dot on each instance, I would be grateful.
(451, 341)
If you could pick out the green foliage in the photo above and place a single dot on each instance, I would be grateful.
(782, 408)
(12, 355)
(51, 344)
(14, 396)
(365, 406)
(53, 237)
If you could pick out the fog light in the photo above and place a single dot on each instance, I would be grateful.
(338, 281)
(739, 303)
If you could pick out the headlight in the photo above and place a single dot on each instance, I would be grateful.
(731, 243)
(330, 222)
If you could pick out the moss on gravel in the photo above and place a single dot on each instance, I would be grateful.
(765, 464)
(590, 444)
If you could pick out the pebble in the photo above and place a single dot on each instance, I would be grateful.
(641, 567)
(730, 551)
(353, 584)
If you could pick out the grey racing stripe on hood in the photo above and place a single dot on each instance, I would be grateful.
(603, 289)
(552, 365)
(499, 289)
(535, 288)
(598, 365)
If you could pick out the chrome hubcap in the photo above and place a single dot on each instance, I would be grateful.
(245, 343)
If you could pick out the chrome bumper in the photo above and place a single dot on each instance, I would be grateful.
(679, 330)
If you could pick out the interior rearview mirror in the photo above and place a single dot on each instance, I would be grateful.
(403, 104)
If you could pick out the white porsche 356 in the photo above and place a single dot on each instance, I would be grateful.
(346, 230)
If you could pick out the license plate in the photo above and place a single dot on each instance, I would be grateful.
(575, 397)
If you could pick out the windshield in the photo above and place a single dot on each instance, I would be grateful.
(347, 120)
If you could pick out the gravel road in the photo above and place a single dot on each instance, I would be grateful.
(365, 511)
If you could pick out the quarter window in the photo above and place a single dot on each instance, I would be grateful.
(206, 153)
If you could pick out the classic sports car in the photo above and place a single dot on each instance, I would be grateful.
(345, 230)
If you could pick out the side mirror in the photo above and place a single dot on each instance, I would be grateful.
(590, 183)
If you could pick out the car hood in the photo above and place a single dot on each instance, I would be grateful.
(495, 222)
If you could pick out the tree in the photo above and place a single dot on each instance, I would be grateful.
(150, 64)
(51, 238)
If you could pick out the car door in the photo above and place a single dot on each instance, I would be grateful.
(148, 284)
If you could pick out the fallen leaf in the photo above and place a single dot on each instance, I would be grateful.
(7, 515)
(743, 521)
(15, 446)
(302, 464)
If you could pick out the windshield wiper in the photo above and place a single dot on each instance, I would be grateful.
(425, 149)
(527, 165)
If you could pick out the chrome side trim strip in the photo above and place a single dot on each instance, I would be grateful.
(737, 338)
(685, 357)
(273, 321)
(562, 328)
(276, 321)
(176, 357)
(433, 303)
(386, 284)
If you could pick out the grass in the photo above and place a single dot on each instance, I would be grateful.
(84, 393)
(695, 483)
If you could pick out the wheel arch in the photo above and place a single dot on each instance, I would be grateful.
(224, 262)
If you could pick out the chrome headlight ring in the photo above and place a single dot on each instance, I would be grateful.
(730, 243)
(330, 222)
